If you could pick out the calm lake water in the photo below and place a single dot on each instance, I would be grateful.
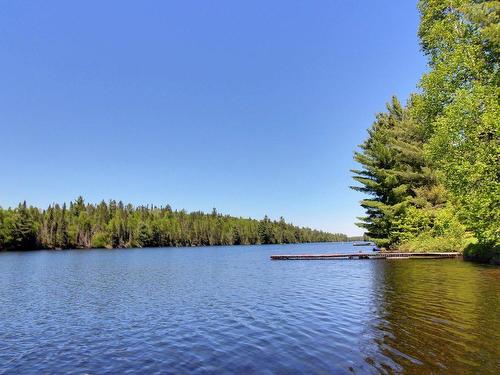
(232, 310)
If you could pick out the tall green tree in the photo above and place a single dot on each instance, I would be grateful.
(376, 179)
(18, 229)
(407, 203)
(459, 106)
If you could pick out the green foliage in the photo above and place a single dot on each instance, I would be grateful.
(483, 252)
(99, 240)
(466, 144)
(433, 168)
(18, 228)
(432, 230)
(376, 177)
(459, 106)
(115, 225)
(407, 201)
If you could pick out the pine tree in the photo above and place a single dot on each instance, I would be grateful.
(378, 159)
(402, 183)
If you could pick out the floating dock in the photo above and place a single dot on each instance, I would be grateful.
(378, 255)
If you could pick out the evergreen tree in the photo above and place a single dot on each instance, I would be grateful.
(23, 235)
(377, 177)
(403, 186)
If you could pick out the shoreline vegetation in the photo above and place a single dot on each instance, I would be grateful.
(117, 225)
(431, 167)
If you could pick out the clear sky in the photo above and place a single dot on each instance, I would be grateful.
(252, 107)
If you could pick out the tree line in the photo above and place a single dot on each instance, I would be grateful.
(117, 225)
(431, 167)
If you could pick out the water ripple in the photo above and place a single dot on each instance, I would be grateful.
(231, 310)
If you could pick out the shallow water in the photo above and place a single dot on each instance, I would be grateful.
(232, 310)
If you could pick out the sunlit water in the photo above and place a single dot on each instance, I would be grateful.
(232, 310)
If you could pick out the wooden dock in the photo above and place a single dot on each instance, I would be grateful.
(374, 255)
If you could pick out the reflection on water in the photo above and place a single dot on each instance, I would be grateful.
(231, 309)
(436, 316)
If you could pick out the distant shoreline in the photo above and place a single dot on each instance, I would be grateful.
(115, 224)
(165, 247)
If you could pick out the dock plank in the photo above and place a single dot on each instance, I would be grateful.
(384, 255)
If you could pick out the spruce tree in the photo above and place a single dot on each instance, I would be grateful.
(407, 198)
(378, 159)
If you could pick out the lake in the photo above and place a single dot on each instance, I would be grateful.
(232, 310)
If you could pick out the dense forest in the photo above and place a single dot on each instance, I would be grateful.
(116, 225)
(431, 167)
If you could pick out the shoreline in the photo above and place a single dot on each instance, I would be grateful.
(476, 253)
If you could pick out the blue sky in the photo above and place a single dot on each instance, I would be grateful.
(252, 107)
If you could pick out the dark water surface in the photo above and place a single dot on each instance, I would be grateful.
(232, 310)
